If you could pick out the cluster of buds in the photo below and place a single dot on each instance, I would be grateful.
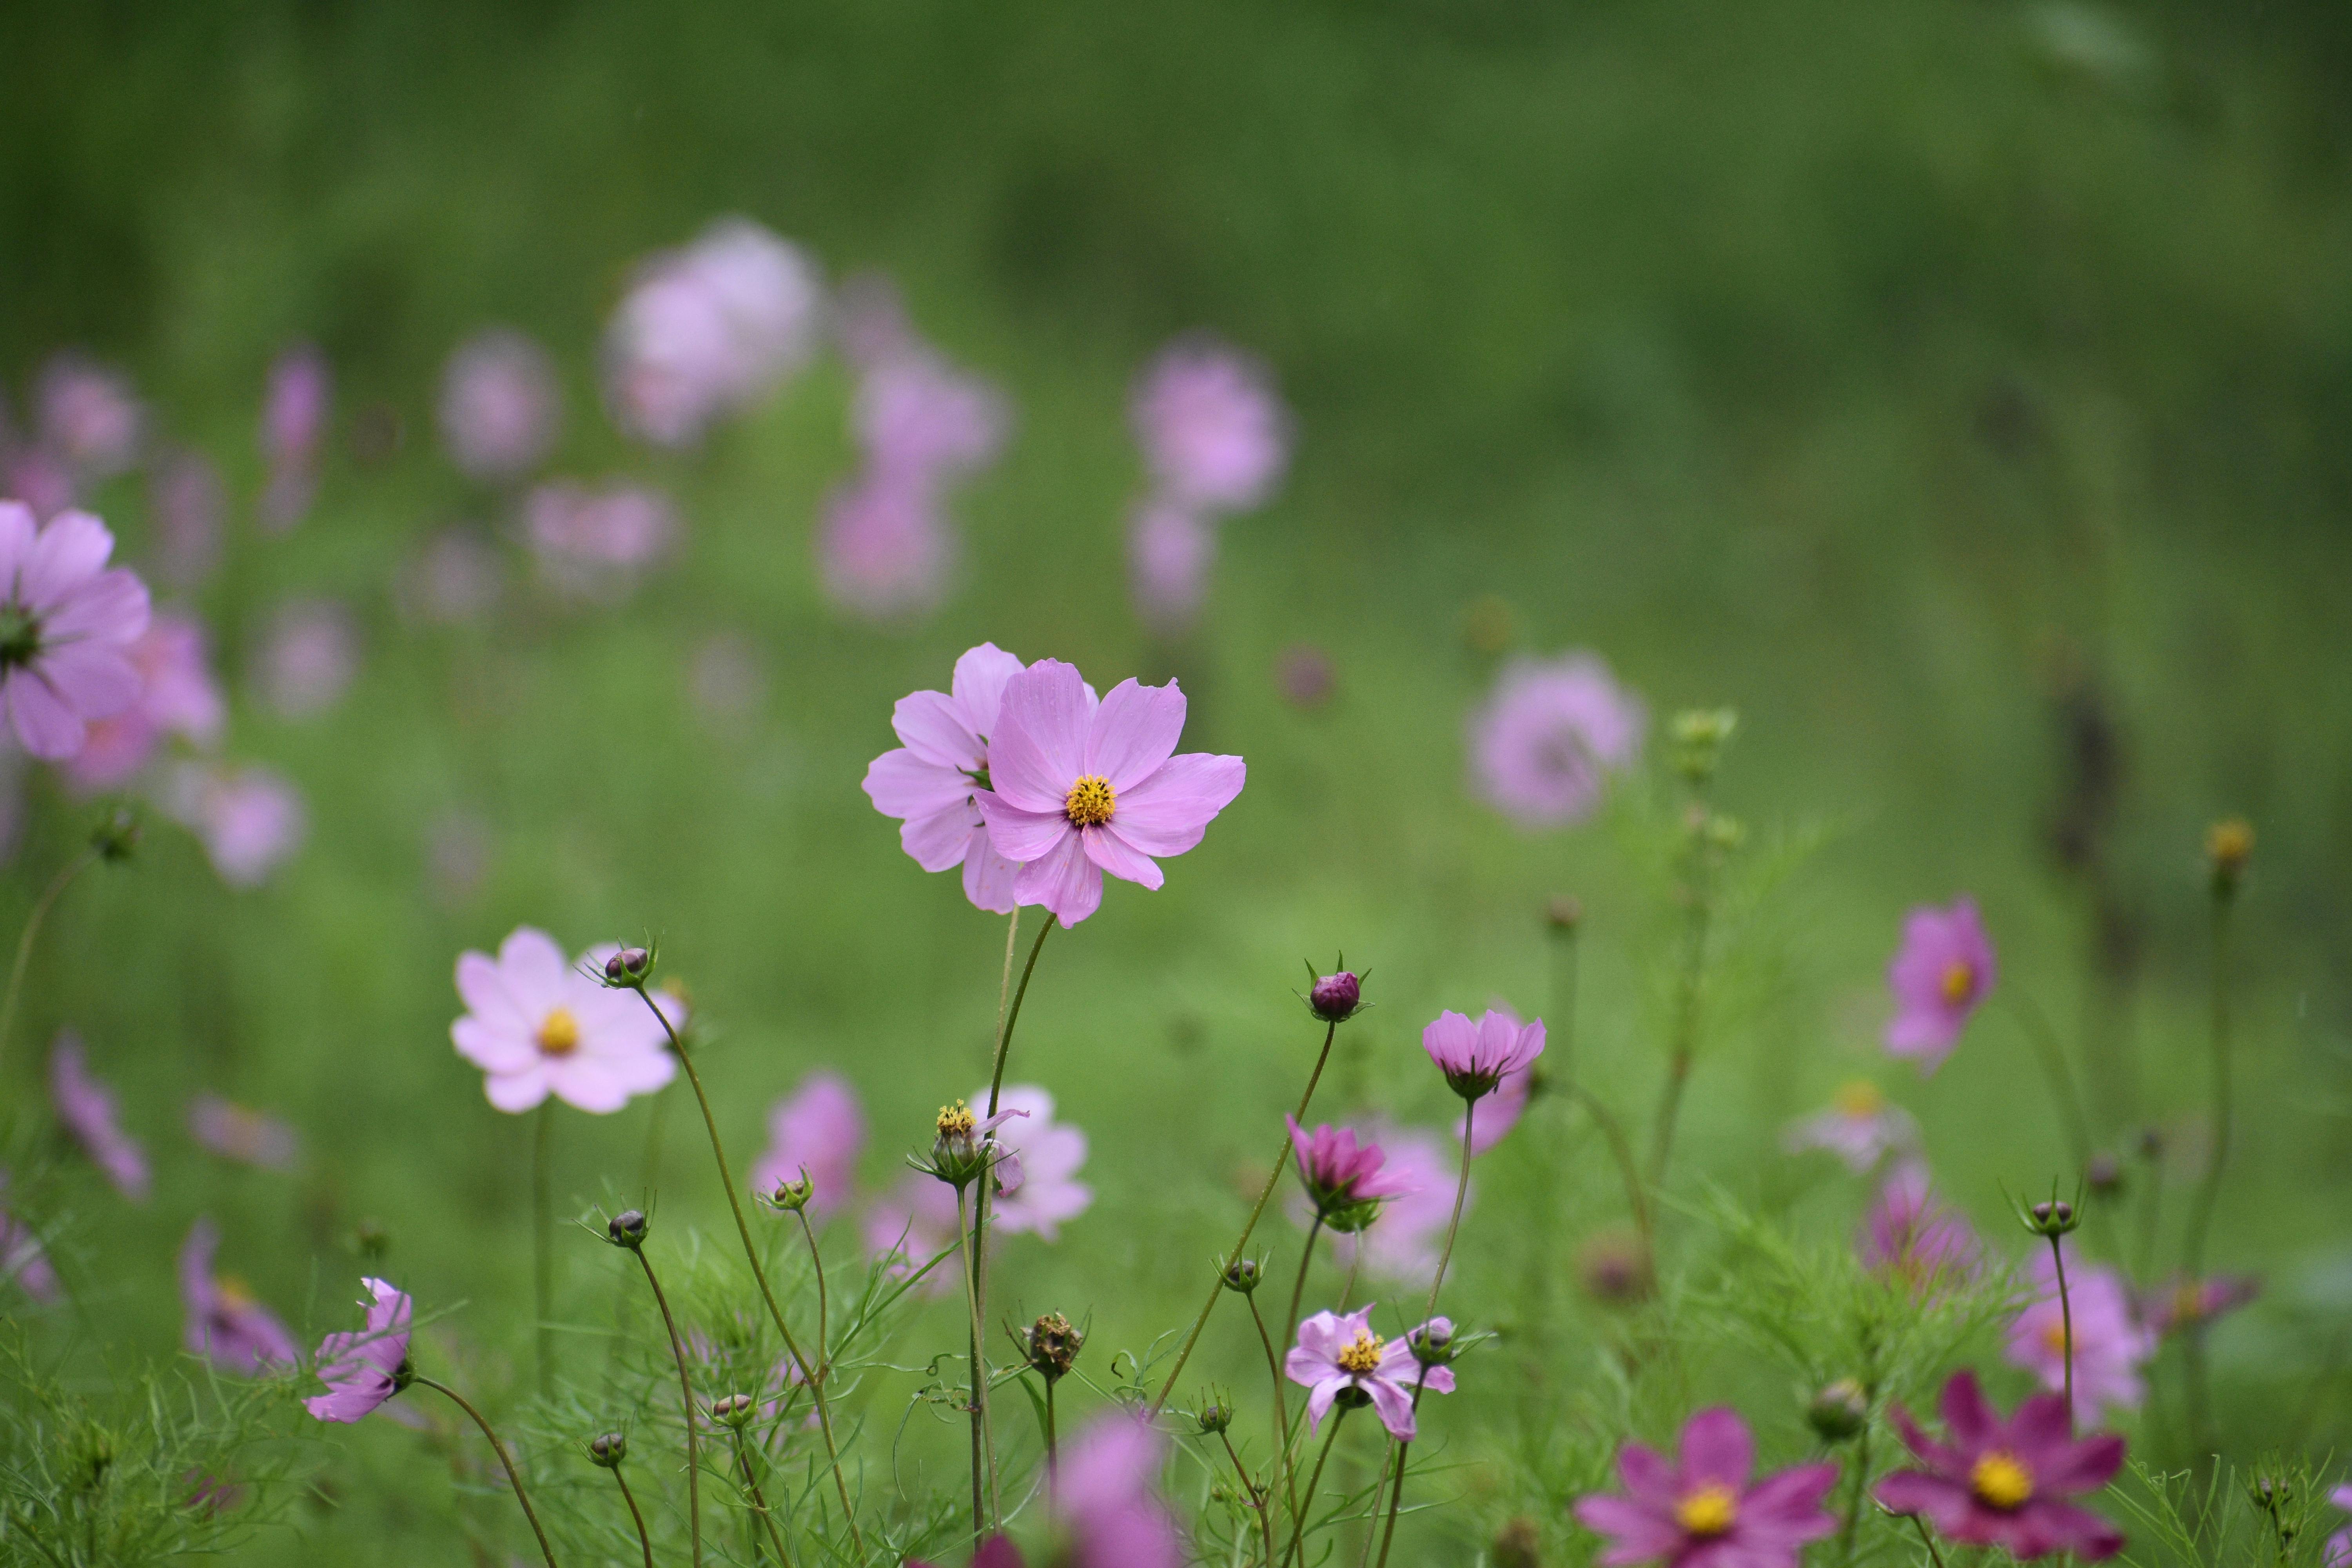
(1335, 997)
(1699, 737)
(2229, 845)
(1840, 1411)
(627, 1229)
(1052, 1344)
(608, 1450)
(2276, 1499)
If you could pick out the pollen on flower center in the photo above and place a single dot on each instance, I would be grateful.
(2053, 1339)
(559, 1032)
(956, 1121)
(2001, 1481)
(1860, 1098)
(1090, 802)
(1959, 979)
(1709, 1510)
(233, 1293)
(1359, 1356)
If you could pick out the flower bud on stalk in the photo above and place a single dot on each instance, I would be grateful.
(1564, 914)
(734, 1409)
(627, 1229)
(792, 1196)
(1215, 1416)
(1334, 998)
(1840, 1411)
(607, 1451)
(1242, 1274)
(2052, 1218)
(1052, 1345)
(1432, 1343)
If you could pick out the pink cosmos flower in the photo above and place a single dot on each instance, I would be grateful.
(1942, 970)
(536, 1025)
(22, 1259)
(2109, 1343)
(1476, 1056)
(911, 1225)
(1699, 1510)
(916, 414)
(1860, 1127)
(363, 1370)
(294, 414)
(2183, 1303)
(884, 548)
(36, 477)
(820, 1130)
(1545, 742)
(930, 782)
(88, 416)
(500, 408)
(2004, 1483)
(594, 543)
(308, 657)
(2337, 1553)
(457, 578)
(1910, 1234)
(1338, 1172)
(1036, 1187)
(1212, 429)
(225, 1324)
(1105, 1500)
(1337, 1353)
(1171, 549)
(250, 1137)
(177, 695)
(1401, 1244)
(86, 1109)
(248, 818)
(188, 502)
(66, 626)
(1081, 787)
(709, 330)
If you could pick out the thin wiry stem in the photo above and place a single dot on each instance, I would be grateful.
(978, 1382)
(1298, 1525)
(542, 1271)
(627, 1497)
(759, 1502)
(498, 1448)
(2074, 1126)
(1283, 1467)
(1689, 992)
(685, 1396)
(73, 867)
(2066, 1328)
(2201, 1220)
(1257, 1496)
(1461, 1192)
(816, 1262)
(1928, 1539)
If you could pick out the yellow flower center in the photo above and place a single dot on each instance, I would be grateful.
(1709, 1510)
(956, 1121)
(1089, 801)
(2053, 1339)
(1959, 979)
(1360, 1356)
(2000, 1480)
(233, 1293)
(1859, 1098)
(559, 1032)
(2188, 1301)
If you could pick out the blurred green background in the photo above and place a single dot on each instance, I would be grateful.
(1962, 391)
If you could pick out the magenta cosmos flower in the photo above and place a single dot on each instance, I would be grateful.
(500, 406)
(1338, 1354)
(2005, 1483)
(1860, 1127)
(537, 1025)
(1912, 1236)
(86, 1108)
(249, 1137)
(1339, 1173)
(177, 695)
(66, 626)
(932, 780)
(1104, 1500)
(2182, 1303)
(1401, 1243)
(1476, 1056)
(1212, 429)
(2337, 1553)
(1698, 1510)
(1036, 1185)
(1081, 787)
(1941, 971)
(819, 1130)
(1545, 742)
(2110, 1345)
(225, 1324)
(363, 1370)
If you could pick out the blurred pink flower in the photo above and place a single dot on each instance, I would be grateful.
(883, 548)
(1169, 550)
(1912, 1236)
(187, 502)
(819, 1129)
(225, 1324)
(1081, 787)
(537, 1025)
(86, 1109)
(918, 415)
(708, 329)
(500, 406)
(2337, 1551)
(2182, 1303)
(88, 416)
(931, 781)
(37, 478)
(22, 1259)
(362, 1369)
(1402, 1245)
(1543, 745)
(294, 413)
(66, 626)
(2004, 1482)
(1476, 1056)
(177, 697)
(249, 819)
(224, 1128)
(1105, 1497)
(1941, 971)
(1336, 1353)
(1036, 1185)
(1860, 1127)
(457, 578)
(1699, 1510)
(309, 654)
(1213, 431)
(2109, 1343)
(911, 1225)
(594, 543)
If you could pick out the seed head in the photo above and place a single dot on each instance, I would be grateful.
(627, 1229)
(609, 1449)
(1052, 1344)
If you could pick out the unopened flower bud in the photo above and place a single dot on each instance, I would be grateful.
(118, 835)
(1215, 1416)
(2228, 846)
(627, 1229)
(628, 967)
(1242, 1274)
(1334, 998)
(1518, 1545)
(793, 1197)
(1839, 1411)
(2105, 1175)
(1053, 1346)
(2050, 1218)
(959, 1152)
(609, 1449)
(1564, 914)
(1699, 737)
(733, 1409)
(1432, 1343)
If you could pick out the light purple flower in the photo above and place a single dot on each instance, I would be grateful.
(363, 1370)
(66, 626)
(1941, 971)
(1339, 1173)
(39, 477)
(248, 818)
(500, 408)
(1171, 548)
(883, 547)
(2004, 1483)
(225, 1324)
(820, 1130)
(308, 657)
(177, 695)
(1082, 787)
(1036, 1186)
(1401, 1244)
(537, 1025)
(250, 1137)
(1476, 1056)
(911, 1225)
(86, 1108)
(594, 543)
(1543, 745)
(294, 412)
(1213, 432)
(930, 782)
(1105, 1498)
(709, 330)
(1910, 1234)
(2182, 1303)
(1699, 1510)
(917, 415)
(2109, 1343)
(2337, 1553)
(188, 504)
(88, 416)
(1860, 1127)
(22, 1259)
(1335, 1353)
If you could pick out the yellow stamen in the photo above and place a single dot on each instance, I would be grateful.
(1859, 1098)
(2053, 1339)
(1359, 1356)
(956, 1121)
(2188, 1303)
(2001, 1481)
(234, 1294)
(1959, 980)
(1090, 802)
(1709, 1510)
(559, 1032)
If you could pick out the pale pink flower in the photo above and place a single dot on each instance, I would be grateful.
(66, 626)
(911, 1225)
(226, 1325)
(249, 819)
(1036, 1185)
(1105, 1500)
(1860, 1127)
(883, 547)
(1475, 1057)
(917, 415)
(1912, 1236)
(538, 1025)
(188, 504)
(249, 1137)
(2182, 1303)
(500, 408)
(1170, 549)
(86, 1108)
(22, 1259)
(1081, 787)
(294, 412)
(309, 656)
(931, 781)
(1213, 431)
(1335, 1353)
(2337, 1551)
(88, 416)
(1942, 969)
(39, 479)
(594, 543)
(177, 695)
(1545, 742)
(2110, 1342)
(708, 329)
(362, 1369)
(819, 1130)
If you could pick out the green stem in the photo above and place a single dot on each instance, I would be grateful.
(2201, 1220)
(1290, 1337)
(2073, 1125)
(979, 1405)
(686, 1398)
(759, 1502)
(627, 1497)
(1257, 1494)
(1453, 1228)
(1298, 1525)
(1687, 995)
(1053, 1450)
(1861, 1496)
(73, 867)
(542, 1272)
(816, 1262)
(2065, 1327)
(498, 1448)
(1281, 1423)
(1217, 1285)
(1620, 1149)
(1928, 1539)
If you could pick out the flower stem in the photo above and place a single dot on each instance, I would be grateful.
(1298, 1524)
(816, 1262)
(1620, 1149)
(685, 1396)
(542, 1271)
(1281, 1425)
(1217, 1285)
(1289, 1337)
(751, 1254)
(1688, 995)
(1052, 1448)
(2066, 1328)
(1861, 1496)
(759, 1502)
(73, 867)
(627, 1497)
(2074, 1127)
(1461, 1192)
(1257, 1496)
(1928, 1539)
(498, 1448)
(979, 1406)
